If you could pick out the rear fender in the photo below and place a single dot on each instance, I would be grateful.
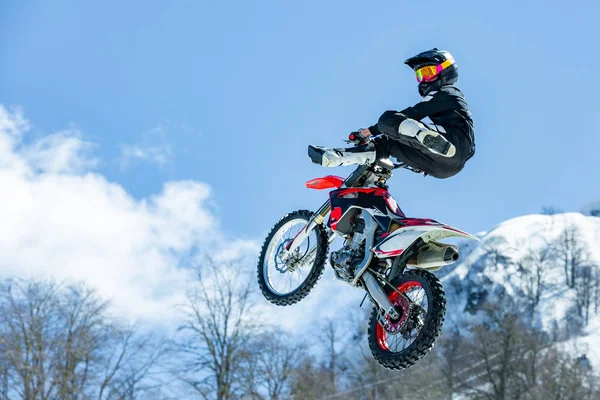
(403, 238)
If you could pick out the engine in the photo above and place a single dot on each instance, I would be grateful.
(348, 257)
(343, 262)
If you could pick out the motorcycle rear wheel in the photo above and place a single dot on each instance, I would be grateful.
(305, 271)
(394, 346)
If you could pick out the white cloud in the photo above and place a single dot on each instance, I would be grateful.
(13, 122)
(59, 219)
(153, 148)
(156, 154)
(12, 125)
(62, 152)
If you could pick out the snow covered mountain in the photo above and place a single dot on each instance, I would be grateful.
(549, 263)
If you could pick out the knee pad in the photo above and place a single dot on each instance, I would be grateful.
(410, 127)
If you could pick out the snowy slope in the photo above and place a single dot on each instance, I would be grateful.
(592, 209)
(491, 270)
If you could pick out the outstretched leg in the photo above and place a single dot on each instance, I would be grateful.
(329, 157)
(406, 147)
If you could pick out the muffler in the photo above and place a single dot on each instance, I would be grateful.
(435, 256)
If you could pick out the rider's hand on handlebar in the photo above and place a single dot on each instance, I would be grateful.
(359, 137)
(365, 133)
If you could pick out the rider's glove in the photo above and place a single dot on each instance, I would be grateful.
(356, 138)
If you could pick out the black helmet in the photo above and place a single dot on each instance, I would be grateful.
(434, 56)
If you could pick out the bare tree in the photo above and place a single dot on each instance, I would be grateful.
(493, 257)
(366, 378)
(502, 358)
(550, 210)
(597, 289)
(268, 365)
(561, 377)
(309, 380)
(59, 342)
(497, 347)
(359, 376)
(219, 325)
(534, 270)
(572, 251)
(585, 289)
(580, 272)
(329, 335)
(453, 361)
(495, 254)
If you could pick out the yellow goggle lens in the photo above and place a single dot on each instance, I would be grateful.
(427, 72)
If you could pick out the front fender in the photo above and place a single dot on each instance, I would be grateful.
(401, 239)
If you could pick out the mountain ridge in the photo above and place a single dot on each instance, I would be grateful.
(560, 249)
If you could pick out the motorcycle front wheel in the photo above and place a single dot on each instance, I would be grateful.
(286, 283)
(401, 343)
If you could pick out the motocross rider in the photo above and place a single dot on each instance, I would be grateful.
(440, 148)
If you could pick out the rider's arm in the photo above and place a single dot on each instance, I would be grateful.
(431, 104)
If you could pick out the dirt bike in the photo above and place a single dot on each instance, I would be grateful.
(385, 253)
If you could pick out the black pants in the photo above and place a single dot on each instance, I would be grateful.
(409, 150)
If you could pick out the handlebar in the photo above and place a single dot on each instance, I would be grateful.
(357, 139)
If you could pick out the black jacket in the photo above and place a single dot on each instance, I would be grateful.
(446, 107)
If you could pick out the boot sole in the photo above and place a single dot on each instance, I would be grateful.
(315, 155)
(438, 145)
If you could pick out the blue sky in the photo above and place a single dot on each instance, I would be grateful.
(231, 93)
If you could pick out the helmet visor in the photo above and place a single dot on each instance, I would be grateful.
(430, 72)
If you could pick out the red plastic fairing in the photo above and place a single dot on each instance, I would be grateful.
(334, 217)
(418, 222)
(378, 192)
(375, 191)
(389, 253)
(326, 182)
(393, 206)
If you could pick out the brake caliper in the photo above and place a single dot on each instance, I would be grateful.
(395, 326)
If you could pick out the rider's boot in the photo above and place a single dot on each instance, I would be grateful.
(328, 157)
(431, 139)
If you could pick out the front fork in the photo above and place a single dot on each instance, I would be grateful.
(317, 219)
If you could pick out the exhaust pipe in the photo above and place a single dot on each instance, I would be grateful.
(435, 257)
